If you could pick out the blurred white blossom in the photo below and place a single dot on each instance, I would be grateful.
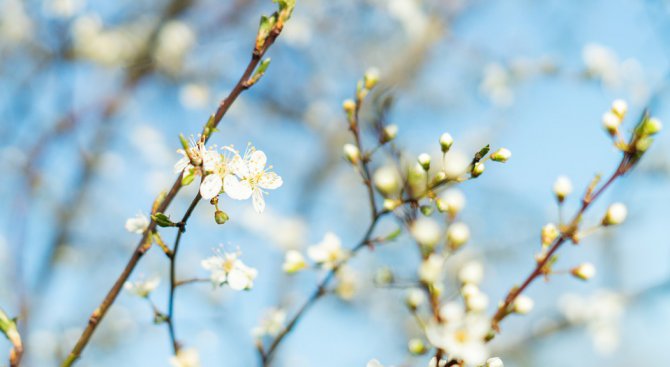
(227, 268)
(328, 253)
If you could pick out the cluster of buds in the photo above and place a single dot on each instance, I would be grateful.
(613, 118)
(642, 135)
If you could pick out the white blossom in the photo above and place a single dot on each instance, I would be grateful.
(523, 304)
(226, 268)
(137, 224)
(432, 269)
(616, 214)
(426, 232)
(271, 324)
(462, 335)
(142, 288)
(562, 187)
(458, 234)
(328, 253)
(494, 362)
(250, 178)
(472, 272)
(293, 262)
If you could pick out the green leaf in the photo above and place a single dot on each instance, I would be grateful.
(163, 220)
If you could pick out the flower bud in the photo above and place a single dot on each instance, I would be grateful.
(424, 161)
(549, 234)
(162, 220)
(494, 362)
(615, 214)
(431, 269)
(523, 304)
(446, 141)
(386, 180)
(611, 122)
(478, 169)
(389, 133)
(351, 153)
(584, 271)
(643, 144)
(384, 276)
(221, 217)
(349, 106)
(416, 346)
(415, 298)
(457, 235)
(562, 188)
(391, 204)
(651, 126)
(619, 108)
(426, 232)
(371, 78)
(501, 155)
(477, 302)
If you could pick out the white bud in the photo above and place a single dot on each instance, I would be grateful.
(371, 78)
(611, 122)
(446, 141)
(494, 362)
(415, 298)
(469, 289)
(426, 232)
(501, 155)
(387, 180)
(457, 235)
(471, 273)
(584, 271)
(349, 106)
(616, 214)
(478, 169)
(620, 107)
(351, 153)
(390, 132)
(562, 188)
(424, 161)
(391, 204)
(523, 304)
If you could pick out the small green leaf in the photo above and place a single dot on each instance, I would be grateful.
(163, 220)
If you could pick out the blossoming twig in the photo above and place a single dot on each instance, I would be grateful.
(259, 50)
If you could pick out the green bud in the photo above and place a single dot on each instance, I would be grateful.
(221, 217)
(426, 210)
(163, 220)
(184, 143)
(188, 178)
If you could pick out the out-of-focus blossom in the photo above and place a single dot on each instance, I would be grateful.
(271, 324)
(328, 253)
(227, 268)
(142, 288)
(186, 357)
(137, 224)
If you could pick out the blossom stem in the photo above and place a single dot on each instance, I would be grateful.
(589, 197)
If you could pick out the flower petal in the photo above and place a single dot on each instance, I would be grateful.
(259, 202)
(238, 166)
(210, 159)
(270, 181)
(210, 186)
(256, 162)
(236, 189)
(182, 164)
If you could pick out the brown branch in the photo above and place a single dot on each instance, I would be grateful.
(142, 246)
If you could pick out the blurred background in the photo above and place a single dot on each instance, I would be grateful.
(94, 95)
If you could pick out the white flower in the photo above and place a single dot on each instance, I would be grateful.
(250, 178)
(415, 298)
(424, 160)
(226, 268)
(446, 141)
(494, 362)
(616, 214)
(271, 324)
(347, 283)
(549, 234)
(462, 336)
(293, 262)
(432, 268)
(142, 288)
(186, 357)
(620, 107)
(374, 363)
(471, 273)
(217, 168)
(523, 304)
(426, 232)
(562, 187)
(327, 253)
(611, 122)
(351, 153)
(137, 224)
